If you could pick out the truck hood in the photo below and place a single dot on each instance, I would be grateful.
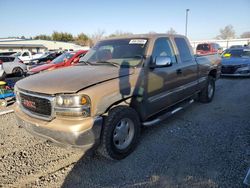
(71, 79)
(42, 67)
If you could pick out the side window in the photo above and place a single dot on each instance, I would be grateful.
(25, 54)
(11, 59)
(183, 49)
(5, 59)
(163, 47)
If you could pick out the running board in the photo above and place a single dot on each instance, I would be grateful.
(167, 114)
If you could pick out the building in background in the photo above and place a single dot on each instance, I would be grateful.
(16, 45)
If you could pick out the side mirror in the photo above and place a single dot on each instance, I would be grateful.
(163, 61)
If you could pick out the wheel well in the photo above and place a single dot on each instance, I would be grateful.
(213, 73)
(123, 102)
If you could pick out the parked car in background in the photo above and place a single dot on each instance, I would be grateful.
(64, 60)
(26, 56)
(119, 85)
(11, 65)
(46, 58)
(236, 62)
(236, 46)
(208, 48)
(7, 53)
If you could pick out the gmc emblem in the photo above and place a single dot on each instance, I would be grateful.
(29, 104)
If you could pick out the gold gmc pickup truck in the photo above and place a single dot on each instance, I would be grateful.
(120, 85)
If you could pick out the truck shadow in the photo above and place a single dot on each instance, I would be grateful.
(157, 162)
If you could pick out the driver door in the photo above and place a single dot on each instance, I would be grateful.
(162, 83)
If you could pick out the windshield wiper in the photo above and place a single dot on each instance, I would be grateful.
(109, 63)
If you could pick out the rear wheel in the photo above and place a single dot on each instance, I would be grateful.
(17, 71)
(206, 95)
(120, 134)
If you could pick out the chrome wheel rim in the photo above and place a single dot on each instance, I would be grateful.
(123, 133)
(210, 90)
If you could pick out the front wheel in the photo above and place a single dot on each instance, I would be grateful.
(120, 134)
(206, 95)
(17, 71)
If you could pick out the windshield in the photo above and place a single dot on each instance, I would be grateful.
(45, 55)
(232, 53)
(236, 53)
(127, 52)
(16, 54)
(64, 57)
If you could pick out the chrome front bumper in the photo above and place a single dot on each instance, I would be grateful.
(83, 133)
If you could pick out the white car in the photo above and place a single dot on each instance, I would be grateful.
(27, 56)
(11, 65)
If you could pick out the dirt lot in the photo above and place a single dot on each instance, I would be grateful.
(207, 145)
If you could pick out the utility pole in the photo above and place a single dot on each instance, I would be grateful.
(187, 10)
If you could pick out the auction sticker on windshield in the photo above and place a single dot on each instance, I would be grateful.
(137, 41)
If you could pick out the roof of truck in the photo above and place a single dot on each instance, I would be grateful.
(149, 36)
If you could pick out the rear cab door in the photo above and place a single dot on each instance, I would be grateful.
(164, 85)
(188, 71)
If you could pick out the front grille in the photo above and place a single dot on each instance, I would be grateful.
(230, 69)
(37, 105)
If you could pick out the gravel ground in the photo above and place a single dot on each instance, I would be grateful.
(206, 145)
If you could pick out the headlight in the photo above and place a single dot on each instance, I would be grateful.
(72, 105)
(72, 100)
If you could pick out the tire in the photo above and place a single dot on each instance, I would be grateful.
(120, 133)
(3, 103)
(17, 71)
(206, 95)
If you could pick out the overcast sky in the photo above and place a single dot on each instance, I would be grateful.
(206, 18)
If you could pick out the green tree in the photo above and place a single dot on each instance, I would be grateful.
(43, 37)
(62, 36)
(82, 40)
(226, 33)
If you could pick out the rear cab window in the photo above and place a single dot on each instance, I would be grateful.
(183, 49)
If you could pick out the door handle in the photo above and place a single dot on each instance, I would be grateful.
(178, 71)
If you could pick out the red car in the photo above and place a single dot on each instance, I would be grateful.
(64, 60)
(208, 48)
